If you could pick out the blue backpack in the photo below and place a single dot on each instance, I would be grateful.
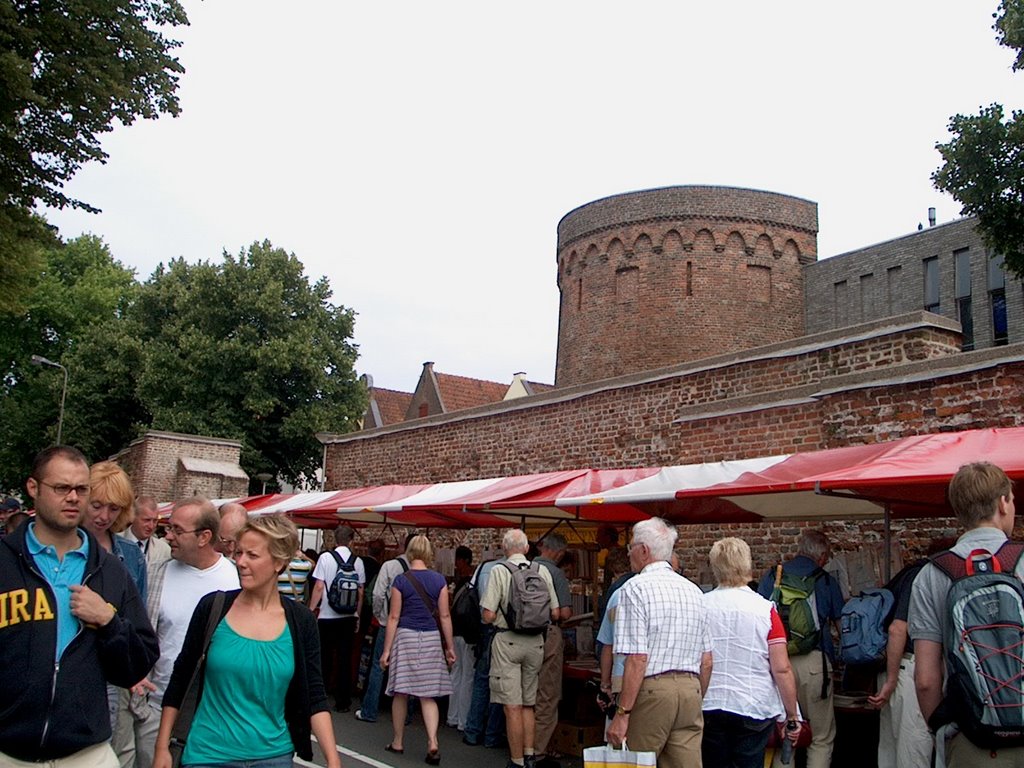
(863, 624)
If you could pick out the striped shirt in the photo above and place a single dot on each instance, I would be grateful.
(293, 580)
(663, 615)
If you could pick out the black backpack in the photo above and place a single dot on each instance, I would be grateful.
(984, 645)
(466, 611)
(343, 594)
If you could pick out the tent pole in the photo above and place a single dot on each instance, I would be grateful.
(887, 567)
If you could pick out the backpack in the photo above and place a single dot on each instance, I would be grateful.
(529, 603)
(343, 594)
(466, 611)
(984, 670)
(864, 634)
(798, 608)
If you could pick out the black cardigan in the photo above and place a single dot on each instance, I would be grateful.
(306, 694)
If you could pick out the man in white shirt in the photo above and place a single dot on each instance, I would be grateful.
(232, 517)
(661, 626)
(195, 570)
(337, 630)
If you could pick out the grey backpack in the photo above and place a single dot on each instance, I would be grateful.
(529, 604)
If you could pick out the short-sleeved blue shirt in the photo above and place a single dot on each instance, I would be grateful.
(60, 574)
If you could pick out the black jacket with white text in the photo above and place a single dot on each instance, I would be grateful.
(51, 709)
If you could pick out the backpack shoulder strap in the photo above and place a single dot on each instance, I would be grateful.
(1009, 555)
(401, 562)
(950, 563)
(350, 560)
(337, 557)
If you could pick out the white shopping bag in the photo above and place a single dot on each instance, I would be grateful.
(610, 757)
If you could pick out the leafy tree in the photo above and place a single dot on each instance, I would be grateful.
(250, 350)
(73, 301)
(983, 162)
(70, 68)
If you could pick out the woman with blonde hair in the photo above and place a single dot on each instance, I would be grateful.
(111, 510)
(752, 684)
(261, 690)
(413, 645)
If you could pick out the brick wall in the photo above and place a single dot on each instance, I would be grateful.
(655, 278)
(888, 279)
(153, 462)
(867, 383)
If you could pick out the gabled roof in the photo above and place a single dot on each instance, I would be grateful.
(536, 387)
(459, 392)
(391, 404)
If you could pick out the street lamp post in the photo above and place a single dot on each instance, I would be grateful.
(42, 361)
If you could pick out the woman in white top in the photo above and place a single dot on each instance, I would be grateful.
(752, 684)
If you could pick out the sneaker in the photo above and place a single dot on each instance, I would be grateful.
(468, 743)
(529, 761)
(360, 718)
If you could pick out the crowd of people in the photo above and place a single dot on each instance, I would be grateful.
(222, 642)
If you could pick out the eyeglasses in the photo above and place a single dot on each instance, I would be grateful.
(63, 489)
(177, 530)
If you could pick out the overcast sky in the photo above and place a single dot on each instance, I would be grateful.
(420, 155)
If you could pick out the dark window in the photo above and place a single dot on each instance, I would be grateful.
(997, 299)
(840, 305)
(962, 291)
(931, 284)
(962, 279)
(1000, 336)
(892, 290)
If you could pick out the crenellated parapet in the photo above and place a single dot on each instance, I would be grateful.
(669, 275)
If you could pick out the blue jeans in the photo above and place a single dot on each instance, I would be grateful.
(374, 680)
(484, 718)
(734, 741)
(281, 761)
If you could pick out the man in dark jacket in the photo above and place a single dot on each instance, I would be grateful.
(71, 621)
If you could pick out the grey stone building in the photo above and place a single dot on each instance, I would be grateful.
(944, 269)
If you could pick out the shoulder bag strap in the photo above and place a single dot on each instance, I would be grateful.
(427, 601)
(191, 699)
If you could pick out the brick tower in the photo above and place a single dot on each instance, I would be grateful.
(665, 276)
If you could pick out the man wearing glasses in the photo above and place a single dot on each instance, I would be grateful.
(71, 621)
(232, 517)
(195, 570)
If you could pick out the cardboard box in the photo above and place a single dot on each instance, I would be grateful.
(570, 738)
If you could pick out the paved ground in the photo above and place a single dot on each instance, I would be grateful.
(362, 744)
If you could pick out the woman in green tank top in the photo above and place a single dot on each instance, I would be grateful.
(262, 689)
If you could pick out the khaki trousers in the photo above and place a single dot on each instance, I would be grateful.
(667, 720)
(903, 737)
(96, 756)
(817, 711)
(549, 688)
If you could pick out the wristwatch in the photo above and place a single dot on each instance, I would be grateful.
(620, 711)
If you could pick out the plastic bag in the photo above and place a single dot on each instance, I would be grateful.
(608, 756)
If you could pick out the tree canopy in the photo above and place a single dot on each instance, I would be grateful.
(983, 162)
(70, 68)
(247, 349)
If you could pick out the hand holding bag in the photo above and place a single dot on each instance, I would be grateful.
(610, 757)
(183, 724)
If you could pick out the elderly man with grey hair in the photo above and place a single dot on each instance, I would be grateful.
(516, 658)
(232, 517)
(661, 626)
(813, 669)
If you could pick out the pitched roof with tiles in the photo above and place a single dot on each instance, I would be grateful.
(536, 387)
(458, 392)
(391, 404)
